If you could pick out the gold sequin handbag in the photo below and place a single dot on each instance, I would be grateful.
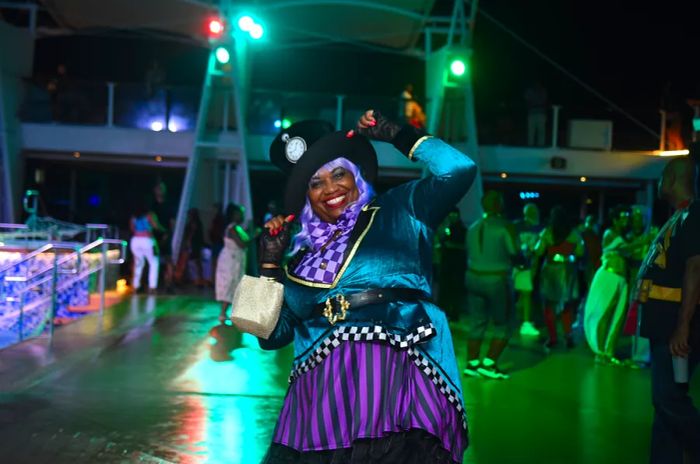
(256, 305)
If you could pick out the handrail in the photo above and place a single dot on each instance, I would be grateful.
(78, 252)
(107, 241)
(32, 255)
(53, 278)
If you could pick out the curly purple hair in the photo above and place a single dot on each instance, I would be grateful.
(309, 217)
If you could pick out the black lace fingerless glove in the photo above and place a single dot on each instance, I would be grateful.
(272, 250)
(402, 137)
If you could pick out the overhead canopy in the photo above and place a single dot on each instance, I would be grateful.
(392, 24)
(177, 17)
(395, 24)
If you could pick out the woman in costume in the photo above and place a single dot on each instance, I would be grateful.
(375, 378)
(560, 246)
(606, 304)
(230, 265)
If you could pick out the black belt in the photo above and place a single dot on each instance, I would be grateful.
(335, 308)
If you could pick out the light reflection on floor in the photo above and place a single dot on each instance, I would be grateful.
(151, 391)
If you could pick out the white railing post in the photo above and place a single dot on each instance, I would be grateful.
(21, 312)
(103, 277)
(54, 295)
(555, 124)
(110, 104)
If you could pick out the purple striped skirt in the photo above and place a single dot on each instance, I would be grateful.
(366, 390)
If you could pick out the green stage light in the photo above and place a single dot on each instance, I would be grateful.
(222, 55)
(286, 123)
(458, 67)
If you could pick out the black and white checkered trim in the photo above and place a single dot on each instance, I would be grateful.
(361, 334)
(379, 333)
(433, 374)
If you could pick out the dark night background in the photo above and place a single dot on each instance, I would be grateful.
(626, 50)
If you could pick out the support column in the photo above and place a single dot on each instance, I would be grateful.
(555, 124)
(339, 112)
(110, 104)
(601, 207)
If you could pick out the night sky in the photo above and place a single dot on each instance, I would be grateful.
(626, 50)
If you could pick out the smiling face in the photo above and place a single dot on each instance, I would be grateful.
(330, 192)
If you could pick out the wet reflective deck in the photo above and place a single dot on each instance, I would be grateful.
(146, 389)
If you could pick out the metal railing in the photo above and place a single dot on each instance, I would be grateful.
(174, 108)
(70, 264)
(43, 229)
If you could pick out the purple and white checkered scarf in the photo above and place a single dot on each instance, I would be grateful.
(329, 242)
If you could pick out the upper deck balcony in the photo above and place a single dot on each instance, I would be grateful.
(129, 122)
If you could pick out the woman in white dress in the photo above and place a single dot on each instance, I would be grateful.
(230, 265)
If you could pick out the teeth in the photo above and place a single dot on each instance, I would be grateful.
(336, 200)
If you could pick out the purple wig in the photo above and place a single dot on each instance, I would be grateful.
(308, 217)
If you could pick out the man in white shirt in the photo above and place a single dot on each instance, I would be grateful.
(491, 248)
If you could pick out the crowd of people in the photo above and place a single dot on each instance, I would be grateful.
(543, 279)
(218, 262)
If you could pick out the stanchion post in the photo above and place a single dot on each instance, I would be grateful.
(103, 276)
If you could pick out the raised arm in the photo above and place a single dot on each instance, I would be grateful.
(451, 175)
(451, 172)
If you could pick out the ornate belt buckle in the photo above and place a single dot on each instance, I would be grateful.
(330, 314)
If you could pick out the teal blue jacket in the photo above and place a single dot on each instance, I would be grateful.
(391, 246)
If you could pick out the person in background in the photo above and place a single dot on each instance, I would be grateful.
(272, 211)
(590, 263)
(452, 237)
(192, 244)
(411, 111)
(594, 248)
(606, 304)
(231, 261)
(491, 250)
(56, 87)
(537, 105)
(561, 247)
(669, 291)
(166, 214)
(640, 238)
(144, 247)
(217, 228)
(528, 230)
(155, 78)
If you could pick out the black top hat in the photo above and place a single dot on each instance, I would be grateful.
(305, 146)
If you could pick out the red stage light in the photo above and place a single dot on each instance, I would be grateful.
(216, 27)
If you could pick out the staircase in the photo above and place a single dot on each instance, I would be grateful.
(42, 286)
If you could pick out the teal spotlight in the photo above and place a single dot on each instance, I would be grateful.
(256, 32)
(245, 23)
(222, 55)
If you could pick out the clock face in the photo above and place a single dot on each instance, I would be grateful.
(296, 146)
